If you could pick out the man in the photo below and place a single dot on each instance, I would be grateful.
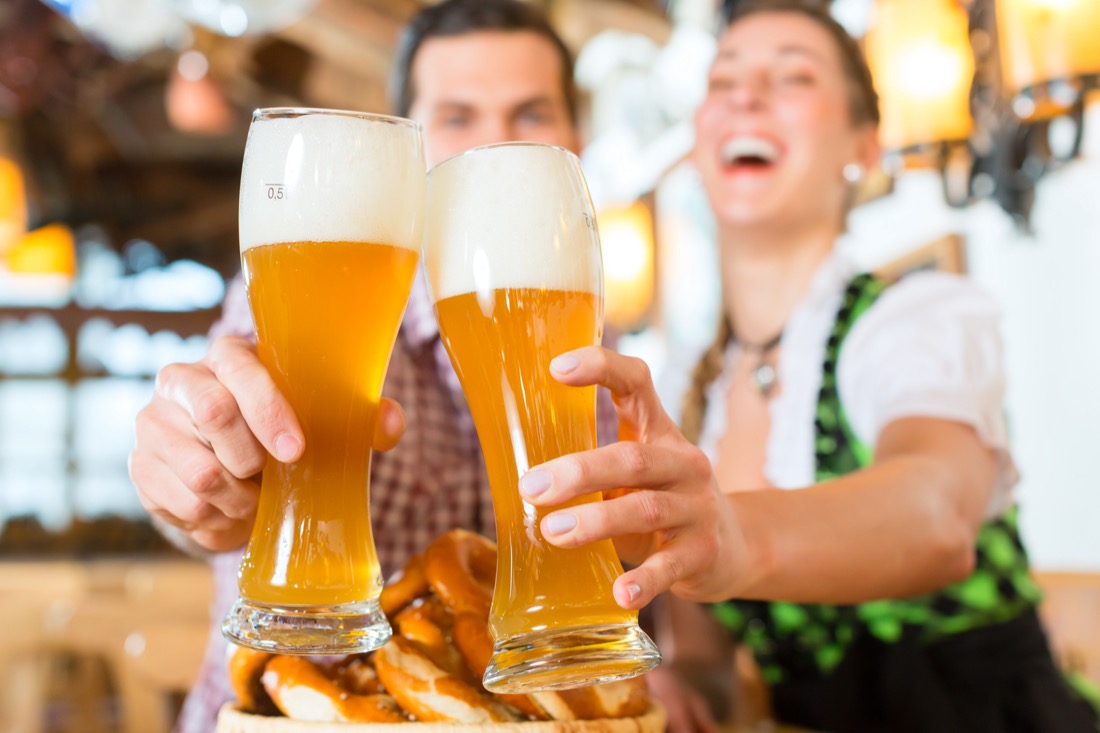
(472, 72)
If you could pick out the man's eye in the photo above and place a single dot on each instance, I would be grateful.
(534, 117)
(456, 121)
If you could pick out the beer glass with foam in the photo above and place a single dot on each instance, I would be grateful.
(514, 262)
(331, 215)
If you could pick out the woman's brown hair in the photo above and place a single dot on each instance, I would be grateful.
(863, 109)
(863, 102)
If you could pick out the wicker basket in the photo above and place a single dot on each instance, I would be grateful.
(231, 720)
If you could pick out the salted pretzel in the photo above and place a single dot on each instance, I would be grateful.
(302, 691)
(246, 666)
(610, 700)
(622, 699)
(404, 587)
(471, 636)
(356, 675)
(429, 626)
(430, 693)
(430, 670)
(460, 567)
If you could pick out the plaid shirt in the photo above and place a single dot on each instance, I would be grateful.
(433, 481)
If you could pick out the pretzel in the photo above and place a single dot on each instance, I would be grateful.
(301, 691)
(471, 635)
(429, 626)
(431, 669)
(404, 587)
(356, 675)
(245, 669)
(621, 699)
(460, 567)
(431, 694)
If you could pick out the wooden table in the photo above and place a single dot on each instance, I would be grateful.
(763, 728)
(146, 619)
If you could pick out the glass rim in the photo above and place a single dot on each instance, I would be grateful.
(509, 144)
(273, 113)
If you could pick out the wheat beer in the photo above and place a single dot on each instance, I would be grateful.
(317, 548)
(331, 215)
(515, 268)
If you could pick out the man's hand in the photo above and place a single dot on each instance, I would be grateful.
(203, 440)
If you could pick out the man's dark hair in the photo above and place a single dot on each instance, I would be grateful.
(459, 17)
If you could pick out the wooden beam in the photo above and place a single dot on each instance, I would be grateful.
(579, 20)
(329, 85)
(348, 34)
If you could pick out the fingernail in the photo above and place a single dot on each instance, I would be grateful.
(633, 590)
(565, 363)
(286, 447)
(560, 523)
(394, 422)
(535, 483)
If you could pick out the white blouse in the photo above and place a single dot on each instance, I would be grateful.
(930, 347)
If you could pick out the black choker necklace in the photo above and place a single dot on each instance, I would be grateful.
(764, 373)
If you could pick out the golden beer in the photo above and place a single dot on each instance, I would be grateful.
(331, 214)
(306, 296)
(514, 262)
(501, 355)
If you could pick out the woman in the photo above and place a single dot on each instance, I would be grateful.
(883, 405)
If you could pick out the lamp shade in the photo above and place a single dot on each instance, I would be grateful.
(1044, 40)
(920, 56)
(49, 250)
(626, 237)
(13, 204)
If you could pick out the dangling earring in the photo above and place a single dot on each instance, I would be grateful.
(853, 173)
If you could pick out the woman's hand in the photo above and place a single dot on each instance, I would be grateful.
(677, 528)
(687, 710)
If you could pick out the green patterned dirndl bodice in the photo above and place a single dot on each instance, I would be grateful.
(803, 640)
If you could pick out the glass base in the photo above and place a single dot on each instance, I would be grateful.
(560, 659)
(349, 628)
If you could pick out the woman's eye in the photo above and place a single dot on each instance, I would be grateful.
(796, 79)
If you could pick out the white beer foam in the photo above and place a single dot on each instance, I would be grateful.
(332, 178)
(511, 216)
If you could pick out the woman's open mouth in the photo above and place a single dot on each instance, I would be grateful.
(748, 154)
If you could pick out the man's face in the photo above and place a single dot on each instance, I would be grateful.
(489, 87)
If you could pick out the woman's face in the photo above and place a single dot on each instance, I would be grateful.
(775, 132)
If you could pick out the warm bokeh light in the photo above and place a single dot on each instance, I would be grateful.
(626, 236)
(919, 52)
(1044, 40)
(193, 100)
(13, 204)
(49, 250)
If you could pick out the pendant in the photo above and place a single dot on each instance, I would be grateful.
(763, 378)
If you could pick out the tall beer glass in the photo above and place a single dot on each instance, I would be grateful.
(331, 216)
(514, 262)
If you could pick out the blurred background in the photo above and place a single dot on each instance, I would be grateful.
(122, 126)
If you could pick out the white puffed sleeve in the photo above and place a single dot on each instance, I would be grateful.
(929, 347)
(674, 380)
